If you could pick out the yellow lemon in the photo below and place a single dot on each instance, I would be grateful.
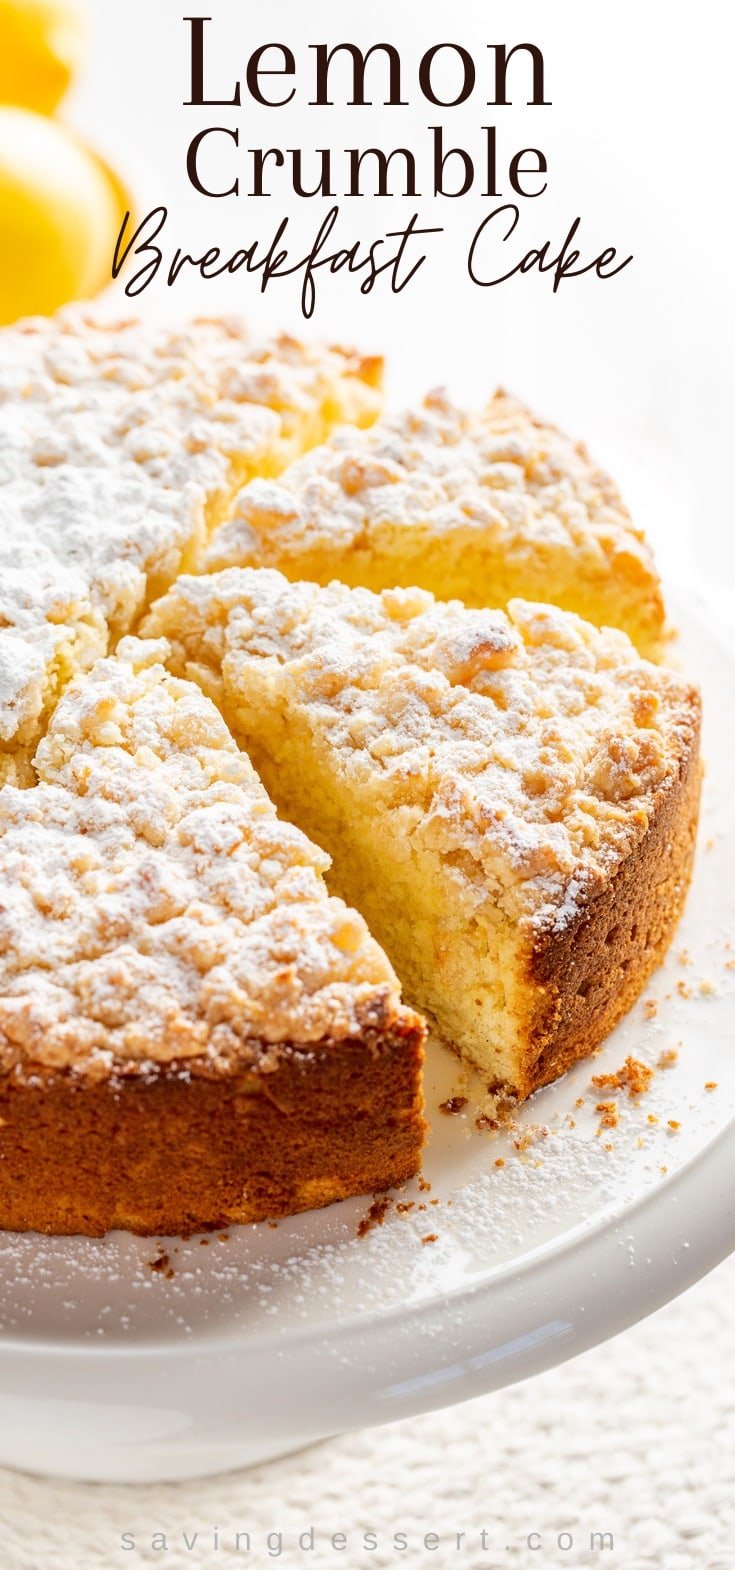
(42, 44)
(59, 216)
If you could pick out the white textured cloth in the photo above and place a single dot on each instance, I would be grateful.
(635, 1438)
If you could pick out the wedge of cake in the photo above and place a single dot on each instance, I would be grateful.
(483, 508)
(192, 1031)
(120, 448)
(509, 799)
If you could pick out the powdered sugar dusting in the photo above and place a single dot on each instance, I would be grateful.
(119, 445)
(439, 485)
(152, 906)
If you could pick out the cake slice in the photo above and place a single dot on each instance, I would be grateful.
(483, 508)
(509, 799)
(121, 446)
(192, 1031)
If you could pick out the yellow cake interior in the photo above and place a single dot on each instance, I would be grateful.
(453, 947)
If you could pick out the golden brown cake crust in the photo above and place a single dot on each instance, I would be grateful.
(190, 1147)
(596, 967)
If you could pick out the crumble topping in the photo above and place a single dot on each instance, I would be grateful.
(119, 444)
(530, 746)
(152, 905)
(435, 473)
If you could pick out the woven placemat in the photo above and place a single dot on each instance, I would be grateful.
(623, 1458)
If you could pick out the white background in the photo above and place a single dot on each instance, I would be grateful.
(639, 142)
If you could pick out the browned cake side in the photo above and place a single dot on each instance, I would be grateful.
(582, 981)
(596, 968)
(192, 1148)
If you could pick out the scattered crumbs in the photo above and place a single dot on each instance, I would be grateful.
(433, 1201)
(684, 957)
(579, 1101)
(431, 1237)
(673, 1124)
(497, 1111)
(530, 1135)
(570, 1121)
(650, 1008)
(683, 989)
(452, 1106)
(668, 1058)
(652, 1117)
(424, 1185)
(608, 1146)
(610, 1115)
(204, 1242)
(273, 1225)
(223, 1237)
(707, 989)
(640, 1143)
(375, 1216)
(710, 1084)
(500, 1161)
(634, 1076)
(663, 1170)
(162, 1264)
(420, 1207)
(709, 844)
(404, 1206)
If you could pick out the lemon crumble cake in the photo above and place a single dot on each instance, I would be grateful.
(482, 508)
(121, 446)
(509, 799)
(193, 1031)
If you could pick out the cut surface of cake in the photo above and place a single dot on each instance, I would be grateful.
(121, 446)
(193, 1031)
(509, 799)
(479, 507)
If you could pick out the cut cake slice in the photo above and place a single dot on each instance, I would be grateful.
(121, 446)
(483, 508)
(193, 1032)
(509, 799)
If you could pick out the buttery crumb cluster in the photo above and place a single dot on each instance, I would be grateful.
(119, 447)
(152, 905)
